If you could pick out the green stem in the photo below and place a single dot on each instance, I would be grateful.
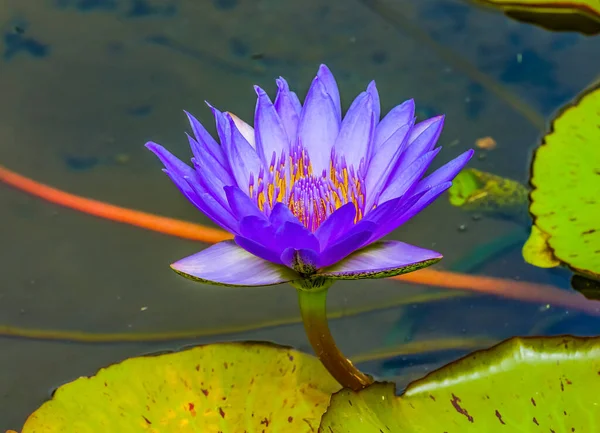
(314, 315)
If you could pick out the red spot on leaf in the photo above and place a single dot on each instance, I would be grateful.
(499, 416)
(456, 403)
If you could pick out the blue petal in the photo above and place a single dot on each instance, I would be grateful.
(319, 126)
(356, 133)
(382, 260)
(396, 118)
(271, 136)
(227, 264)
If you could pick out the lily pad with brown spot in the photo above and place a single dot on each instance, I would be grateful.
(565, 200)
(560, 15)
(525, 385)
(229, 387)
(478, 191)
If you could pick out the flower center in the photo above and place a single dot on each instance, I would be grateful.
(310, 197)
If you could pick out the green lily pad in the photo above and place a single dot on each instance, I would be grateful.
(565, 201)
(570, 15)
(522, 385)
(229, 387)
(475, 190)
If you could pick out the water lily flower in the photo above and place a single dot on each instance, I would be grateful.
(309, 193)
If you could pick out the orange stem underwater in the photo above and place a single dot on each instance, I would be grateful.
(529, 292)
(168, 226)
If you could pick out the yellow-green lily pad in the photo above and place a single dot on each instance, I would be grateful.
(229, 387)
(565, 200)
(475, 190)
(570, 15)
(525, 385)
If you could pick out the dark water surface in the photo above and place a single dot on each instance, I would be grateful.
(85, 83)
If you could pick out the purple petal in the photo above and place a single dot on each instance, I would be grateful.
(331, 88)
(357, 130)
(212, 176)
(222, 125)
(241, 205)
(319, 126)
(205, 142)
(408, 208)
(259, 250)
(246, 130)
(336, 225)
(288, 107)
(227, 264)
(396, 118)
(382, 260)
(242, 158)
(383, 162)
(404, 181)
(303, 261)
(423, 138)
(204, 160)
(282, 214)
(206, 203)
(343, 248)
(295, 235)
(186, 179)
(372, 90)
(384, 218)
(271, 136)
(445, 173)
(296, 102)
(173, 164)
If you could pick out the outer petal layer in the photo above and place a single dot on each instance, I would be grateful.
(381, 260)
(226, 264)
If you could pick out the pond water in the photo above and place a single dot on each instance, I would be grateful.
(85, 83)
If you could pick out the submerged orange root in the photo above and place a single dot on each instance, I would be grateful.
(524, 291)
(168, 226)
